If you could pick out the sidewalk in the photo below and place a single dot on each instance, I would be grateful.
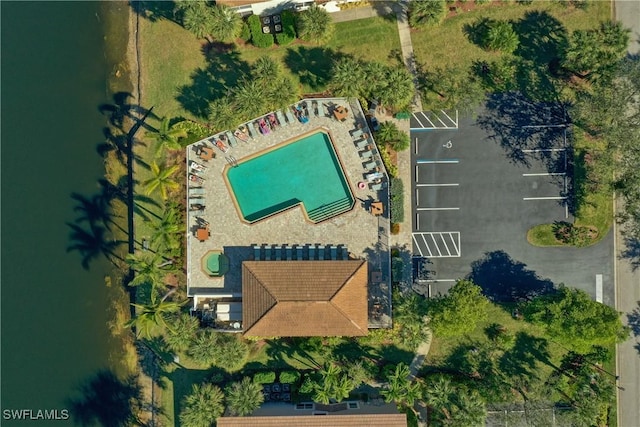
(378, 9)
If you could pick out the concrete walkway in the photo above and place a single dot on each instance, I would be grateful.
(407, 50)
(378, 9)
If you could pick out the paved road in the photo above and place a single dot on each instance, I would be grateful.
(628, 279)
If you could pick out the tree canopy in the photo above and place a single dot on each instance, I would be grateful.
(459, 311)
(425, 13)
(315, 24)
(244, 397)
(203, 406)
(577, 321)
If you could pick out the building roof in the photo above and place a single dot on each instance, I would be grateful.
(356, 420)
(234, 3)
(304, 298)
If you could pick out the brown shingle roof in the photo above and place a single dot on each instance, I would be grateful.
(304, 298)
(234, 3)
(360, 420)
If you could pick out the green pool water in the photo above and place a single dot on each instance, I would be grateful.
(306, 171)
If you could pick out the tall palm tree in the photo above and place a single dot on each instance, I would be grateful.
(203, 406)
(315, 25)
(148, 267)
(203, 349)
(225, 23)
(249, 97)
(167, 136)
(425, 13)
(223, 115)
(399, 89)
(198, 20)
(348, 78)
(400, 388)
(244, 397)
(166, 230)
(438, 394)
(182, 332)
(233, 352)
(152, 314)
(162, 180)
(501, 36)
(265, 68)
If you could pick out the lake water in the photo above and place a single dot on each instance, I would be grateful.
(54, 312)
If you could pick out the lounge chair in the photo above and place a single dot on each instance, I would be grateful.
(370, 166)
(290, 117)
(321, 253)
(196, 191)
(232, 139)
(362, 144)
(312, 252)
(289, 252)
(281, 118)
(252, 130)
(334, 253)
(241, 134)
(321, 112)
(278, 253)
(374, 176)
(356, 133)
(267, 253)
(221, 146)
(273, 121)
(376, 187)
(366, 154)
(298, 253)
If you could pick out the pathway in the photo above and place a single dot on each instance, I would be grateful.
(627, 278)
(407, 50)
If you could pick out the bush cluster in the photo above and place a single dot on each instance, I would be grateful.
(245, 32)
(258, 38)
(392, 169)
(289, 377)
(570, 234)
(397, 200)
(264, 377)
(288, 33)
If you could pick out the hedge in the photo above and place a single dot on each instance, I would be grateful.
(397, 200)
(264, 377)
(258, 38)
(288, 33)
(245, 32)
(289, 377)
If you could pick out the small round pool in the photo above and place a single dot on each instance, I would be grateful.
(215, 263)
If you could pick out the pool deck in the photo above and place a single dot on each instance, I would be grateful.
(365, 235)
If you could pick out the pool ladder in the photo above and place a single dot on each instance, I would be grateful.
(232, 161)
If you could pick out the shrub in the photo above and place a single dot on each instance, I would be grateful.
(245, 32)
(397, 200)
(425, 13)
(392, 169)
(258, 38)
(288, 33)
(289, 377)
(264, 377)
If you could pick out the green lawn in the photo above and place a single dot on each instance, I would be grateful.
(434, 47)
(178, 78)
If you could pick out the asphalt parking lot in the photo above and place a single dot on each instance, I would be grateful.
(477, 187)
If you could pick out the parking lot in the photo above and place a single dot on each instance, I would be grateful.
(475, 193)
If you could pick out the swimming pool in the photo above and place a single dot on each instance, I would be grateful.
(305, 172)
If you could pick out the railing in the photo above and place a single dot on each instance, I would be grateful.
(326, 211)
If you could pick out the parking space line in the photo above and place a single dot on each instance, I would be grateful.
(443, 124)
(417, 199)
(436, 243)
(446, 161)
(437, 209)
(415, 145)
(425, 116)
(599, 288)
(453, 242)
(545, 174)
(437, 185)
(545, 198)
(417, 174)
(452, 121)
(427, 245)
(415, 116)
(444, 242)
(545, 126)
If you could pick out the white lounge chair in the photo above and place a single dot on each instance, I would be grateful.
(366, 154)
(281, 119)
(290, 117)
(252, 130)
(362, 143)
(356, 133)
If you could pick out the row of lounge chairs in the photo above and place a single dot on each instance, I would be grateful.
(367, 152)
(299, 252)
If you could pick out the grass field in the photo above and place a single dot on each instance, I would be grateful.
(434, 46)
(176, 72)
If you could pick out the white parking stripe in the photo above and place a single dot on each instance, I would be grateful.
(429, 162)
(452, 121)
(415, 116)
(436, 243)
(453, 242)
(438, 209)
(540, 150)
(599, 288)
(445, 244)
(443, 124)
(545, 198)
(437, 185)
(415, 150)
(545, 174)
(417, 200)
(427, 245)
(417, 179)
(427, 118)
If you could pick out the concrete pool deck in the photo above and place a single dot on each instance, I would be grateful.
(366, 236)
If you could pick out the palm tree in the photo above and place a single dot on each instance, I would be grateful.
(167, 136)
(399, 90)
(375, 77)
(224, 23)
(424, 13)
(151, 315)
(244, 397)
(223, 115)
(315, 24)
(203, 406)
(400, 388)
(182, 332)
(166, 230)
(438, 394)
(348, 78)
(249, 97)
(203, 348)
(233, 352)
(500, 35)
(198, 20)
(162, 180)
(265, 69)
(149, 267)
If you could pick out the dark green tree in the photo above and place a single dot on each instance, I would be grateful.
(426, 13)
(400, 388)
(182, 332)
(225, 23)
(244, 397)
(315, 25)
(203, 406)
(459, 311)
(500, 35)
